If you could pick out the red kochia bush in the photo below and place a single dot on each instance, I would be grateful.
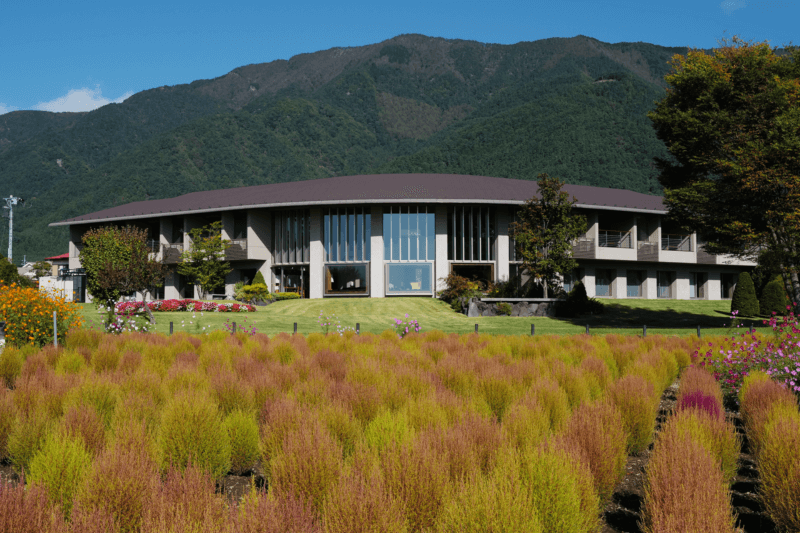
(702, 402)
(696, 380)
(758, 396)
(685, 489)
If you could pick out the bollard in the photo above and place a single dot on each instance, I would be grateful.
(233, 329)
(587, 329)
(476, 328)
(644, 331)
(170, 328)
(55, 330)
(295, 327)
(752, 329)
(2, 335)
(533, 330)
(358, 328)
(698, 331)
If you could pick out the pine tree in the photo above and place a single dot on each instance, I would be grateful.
(744, 296)
(259, 278)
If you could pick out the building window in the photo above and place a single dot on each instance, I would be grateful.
(291, 234)
(409, 233)
(347, 280)
(409, 278)
(728, 285)
(346, 234)
(635, 280)
(483, 274)
(471, 233)
(697, 285)
(603, 279)
(571, 278)
(664, 281)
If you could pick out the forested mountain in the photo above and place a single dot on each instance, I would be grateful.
(574, 108)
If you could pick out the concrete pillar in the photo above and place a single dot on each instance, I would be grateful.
(589, 281)
(227, 224)
(650, 285)
(377, 285)
(620, 286)
(503, 242)
(680, 289)
(442, 266)
(75, 236)
(316, 264)
(714, 286)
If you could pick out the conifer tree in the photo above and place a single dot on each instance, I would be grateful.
(744, 296)
(773, 298)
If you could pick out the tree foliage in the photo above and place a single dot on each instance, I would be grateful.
(774, 299)
(544, 232)
(731, 120)
(203, 263)
(118, 262)
(42, 268)
(9, 274)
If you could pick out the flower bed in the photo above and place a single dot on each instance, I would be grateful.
(185, 305)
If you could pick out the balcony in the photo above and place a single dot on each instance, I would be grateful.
(607, 238)
(237, 251)
(584, 249)
(171, 253)
(648, 251)
(675, 242)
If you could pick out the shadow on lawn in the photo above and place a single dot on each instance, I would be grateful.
(621, 316)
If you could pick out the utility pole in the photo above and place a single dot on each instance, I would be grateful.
(11, 202)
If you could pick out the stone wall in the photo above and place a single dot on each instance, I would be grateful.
(477, 308)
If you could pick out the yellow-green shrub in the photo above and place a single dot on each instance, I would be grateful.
(526, 423)
(714, 434)
(10, 366)
(98, 392)
(779, 463)
(8, 416)
(387, 429)
(191, 430)
(60, 466)
(242, 430)
(637, 402)
(28, 435)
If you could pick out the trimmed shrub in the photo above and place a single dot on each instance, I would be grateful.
(637, 402)
(361, 503)
(774, 299)
(389, 428)
(60, 466)
(242, 431)
(192, 432)
(526, 424)
(498, 503)
(504, 308)
(578, 303)
(596, 429)
(553, 399)
(259, 279)
(27, 509)
(8, 416)
(744, 298)
(685, 489)
(309, 465)
(280, 296)
(561, 488)
(779, 464)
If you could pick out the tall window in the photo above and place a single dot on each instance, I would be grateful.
(291, 235)
(603, 281)
(471, 233)
(346, 234)
(409, 233)
(664, 281)
(635, 279)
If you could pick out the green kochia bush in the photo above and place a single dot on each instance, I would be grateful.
(60, 466)
(242, 430)
(192, 431)
(744, 296)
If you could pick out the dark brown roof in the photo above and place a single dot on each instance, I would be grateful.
(387, 188)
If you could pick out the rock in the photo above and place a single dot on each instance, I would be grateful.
(473, 311)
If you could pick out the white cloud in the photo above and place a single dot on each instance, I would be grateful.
(79, 100)
(6, 108)
(729, 6)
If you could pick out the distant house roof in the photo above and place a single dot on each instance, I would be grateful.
(374, 188)
(62, 257)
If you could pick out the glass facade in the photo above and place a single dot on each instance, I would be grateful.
(471, 233)
(346, 233)
(664, 282)
(409, 233)
(635, 279)
(291, 235)
(347, 280)
(415, 278)
(603, 279)
(697, 285)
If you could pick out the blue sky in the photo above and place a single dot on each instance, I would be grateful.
(76, 56)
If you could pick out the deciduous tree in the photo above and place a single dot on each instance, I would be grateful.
(731, 119)
(204, 262)
(118, 262)
(545, 229)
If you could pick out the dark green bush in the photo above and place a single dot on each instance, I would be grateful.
(259, 279)
(744, 296)
(504, 308)
(774, 299)
(578, 303)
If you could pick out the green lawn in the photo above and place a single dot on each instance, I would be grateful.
(672, 317)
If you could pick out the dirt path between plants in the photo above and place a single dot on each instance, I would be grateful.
(623, 513)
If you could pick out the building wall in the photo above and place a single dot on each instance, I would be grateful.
(316, 255)
(377, 287)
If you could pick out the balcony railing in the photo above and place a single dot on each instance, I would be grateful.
(171, 253)
(153, 246)
(614, 239)
(583, 249)
(237, 251)
(676, 242)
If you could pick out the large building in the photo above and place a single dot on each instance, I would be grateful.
(401, 234)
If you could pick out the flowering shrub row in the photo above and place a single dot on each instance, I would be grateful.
(431, 432)
(732, 359)
(28, 314)
(186, 305)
